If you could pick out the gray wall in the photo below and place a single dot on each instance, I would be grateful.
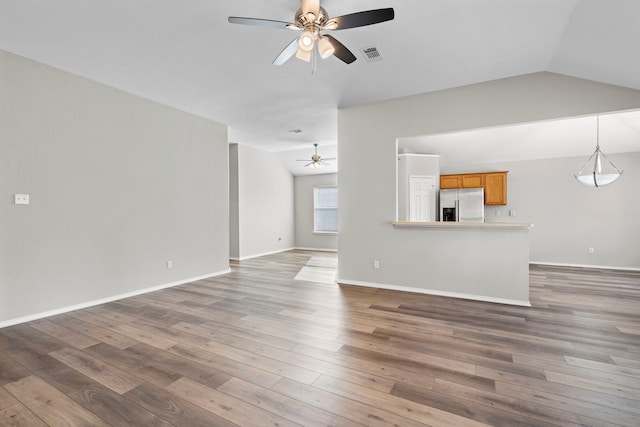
(265, 203)
(305, 237)
(367, 198)
(570, 218)
(119, 186)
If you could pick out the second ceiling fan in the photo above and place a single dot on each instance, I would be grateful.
(312, 19)
(317, 160)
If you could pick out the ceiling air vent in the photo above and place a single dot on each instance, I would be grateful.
(371, 54)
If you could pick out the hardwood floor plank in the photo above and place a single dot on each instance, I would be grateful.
(396, 405)
(508, 405)
(19, 416)
(290, 408)
(171, 408)
(241, 338)
(111, 377)
(374, 367)
(131, 361)
(225, 406)
(168, 362)
(234, 368)
(585, 409)
(614, 389)
(115, 409)
(605, 367)
(630, 363)
(50, 405)
(99, 333)
(10, 371)
(6, 399)
(70, 337)
(411, 355)
(268, 364)
(365, 414)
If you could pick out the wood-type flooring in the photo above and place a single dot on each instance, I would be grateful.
(256, 347)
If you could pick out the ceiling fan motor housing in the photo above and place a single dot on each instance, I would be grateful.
(304, 20)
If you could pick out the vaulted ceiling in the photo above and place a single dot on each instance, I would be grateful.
(185, 54)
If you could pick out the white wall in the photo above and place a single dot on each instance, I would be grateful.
(119, 185)
(265, 203)
(305, 237)
(570, 218)
(368, 194)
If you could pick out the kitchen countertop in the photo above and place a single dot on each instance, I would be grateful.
(460, 225)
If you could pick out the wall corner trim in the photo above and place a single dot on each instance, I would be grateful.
(31, 317)
(435, 292)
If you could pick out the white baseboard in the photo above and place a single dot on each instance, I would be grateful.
(316, 249)
(435, 292)
(88, 304)
(244, 258)
(605, 267)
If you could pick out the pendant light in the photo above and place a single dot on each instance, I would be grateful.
(604, 172)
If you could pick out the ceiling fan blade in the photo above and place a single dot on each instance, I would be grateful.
(308, 164)
(329, 158)
(286, 53)
(340, 51)
(257, 22)
(312, 6)
(360, 19)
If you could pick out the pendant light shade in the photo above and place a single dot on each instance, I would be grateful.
(603, 172)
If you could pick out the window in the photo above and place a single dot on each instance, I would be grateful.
(325, 209)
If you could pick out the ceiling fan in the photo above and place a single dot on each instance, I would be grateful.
(312, 19)
(316, 160)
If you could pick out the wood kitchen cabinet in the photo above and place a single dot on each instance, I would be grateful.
(494, 184)
(450, 181)
(495, 188)
(472, 180)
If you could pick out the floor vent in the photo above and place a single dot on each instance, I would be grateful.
(372, 54)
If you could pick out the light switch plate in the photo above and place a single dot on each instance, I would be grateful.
(21, 199)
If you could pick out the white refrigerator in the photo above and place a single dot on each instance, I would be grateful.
(462, 204)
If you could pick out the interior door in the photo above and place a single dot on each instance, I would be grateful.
(422, 198)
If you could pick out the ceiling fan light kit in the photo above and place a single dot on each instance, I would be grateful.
(325, 47)
(312, 19)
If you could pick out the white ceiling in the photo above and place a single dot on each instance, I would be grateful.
(186, 54)
(618, 133)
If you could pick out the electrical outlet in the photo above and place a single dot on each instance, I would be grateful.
(512, 212)
(169, 265)
(21, 199)
(591, 250)
(376, 264)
